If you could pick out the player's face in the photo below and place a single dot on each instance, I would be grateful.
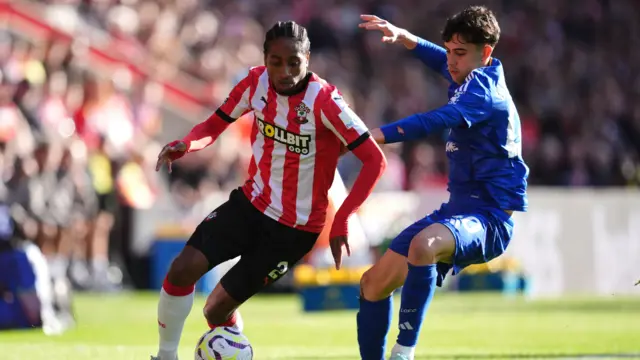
(286, 64)
(464, 57)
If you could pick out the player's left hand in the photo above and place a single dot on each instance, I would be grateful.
(336, 243)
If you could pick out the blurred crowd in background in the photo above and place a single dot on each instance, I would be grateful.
(79, 145)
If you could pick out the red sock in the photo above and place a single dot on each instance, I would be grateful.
(230, 322)
(173, 290)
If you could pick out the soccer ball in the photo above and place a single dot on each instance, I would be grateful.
(224, 343)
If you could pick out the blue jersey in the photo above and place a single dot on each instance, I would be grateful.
(484, 143)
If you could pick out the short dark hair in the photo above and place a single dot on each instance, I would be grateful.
(288, 29)
(475, 24)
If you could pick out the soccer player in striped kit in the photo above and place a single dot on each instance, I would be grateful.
(301, 126)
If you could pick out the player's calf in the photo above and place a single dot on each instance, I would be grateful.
(384, 277)
(220, 308)
(374, 317)
(176, 299)
(431, 245)
(187, 268)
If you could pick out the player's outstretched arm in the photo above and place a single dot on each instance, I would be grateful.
(206, 133)
(470, 106)
(201, 136)
(373, 165)
(432, 55)
(418, 126)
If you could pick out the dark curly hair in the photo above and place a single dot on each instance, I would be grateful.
(475, 24)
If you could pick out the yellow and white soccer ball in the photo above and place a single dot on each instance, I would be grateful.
(224, 343)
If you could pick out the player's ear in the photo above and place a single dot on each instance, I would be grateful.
(487, 50)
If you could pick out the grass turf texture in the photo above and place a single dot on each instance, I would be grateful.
(458, 326)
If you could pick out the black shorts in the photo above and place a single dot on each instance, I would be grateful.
(267, 249)
(107, 202)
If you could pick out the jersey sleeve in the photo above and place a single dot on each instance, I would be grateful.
(237, 103)
(434, 56)
(472, 100)
(338, 117)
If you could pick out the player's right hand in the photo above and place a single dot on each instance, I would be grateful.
(171, 152)
(391, 33)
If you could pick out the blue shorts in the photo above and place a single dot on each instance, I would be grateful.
(481, 234)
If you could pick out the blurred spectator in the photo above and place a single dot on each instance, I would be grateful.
(563, 62)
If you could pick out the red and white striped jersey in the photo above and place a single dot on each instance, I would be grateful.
(296, 141)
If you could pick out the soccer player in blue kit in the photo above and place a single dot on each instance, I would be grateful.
(487, 179)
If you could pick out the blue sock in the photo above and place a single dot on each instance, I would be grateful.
(416, 295)
(374, 320)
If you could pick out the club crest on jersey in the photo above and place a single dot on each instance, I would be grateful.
(295, 142)
(302, 111)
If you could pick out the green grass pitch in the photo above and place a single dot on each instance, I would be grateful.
(458, 326)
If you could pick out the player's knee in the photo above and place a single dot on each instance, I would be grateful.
(219, 306)
(422, 252)
(367, 286)
(431, 246)
(374, 287)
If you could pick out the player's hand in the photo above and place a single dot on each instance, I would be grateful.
(336, 244)
(170, 152)
(391, 33)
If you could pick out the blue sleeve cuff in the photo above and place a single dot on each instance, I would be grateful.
(391, 134)
(418, 126)
(422, 43)
(409, 128)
